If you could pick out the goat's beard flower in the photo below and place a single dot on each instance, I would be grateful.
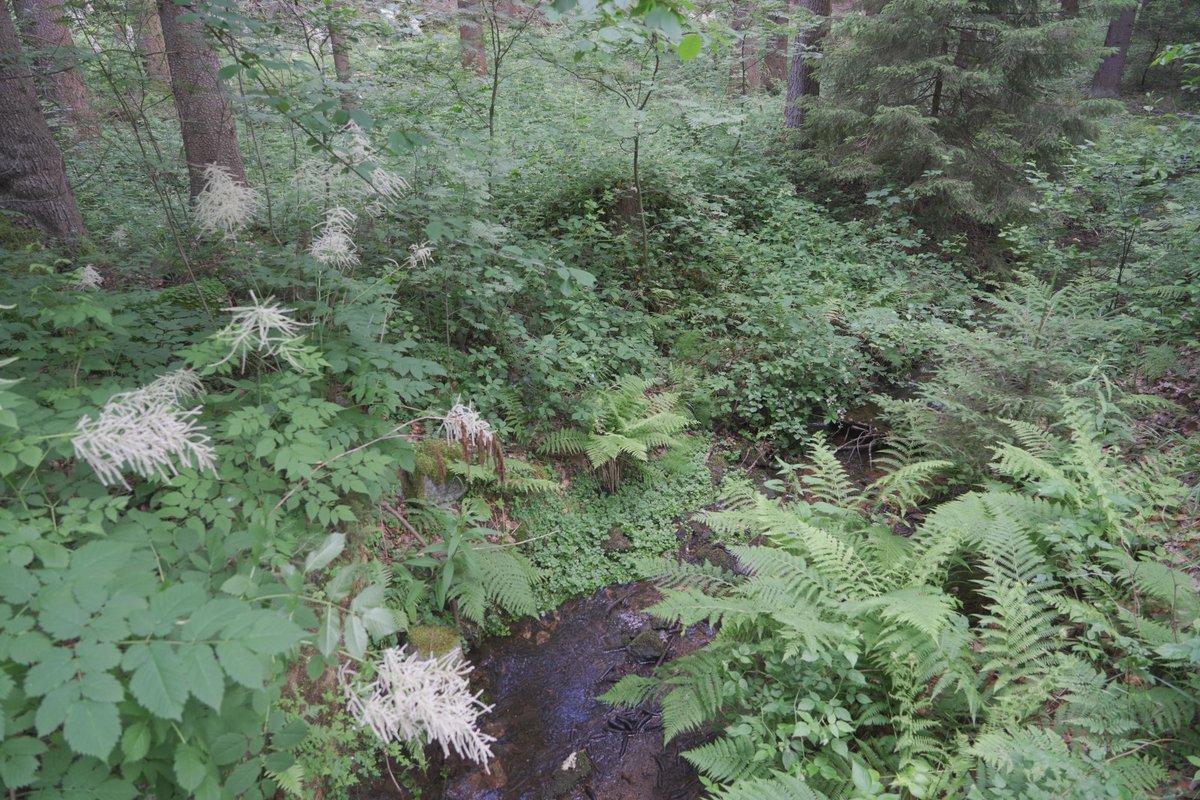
(119, 236)
(146, 431)
(89, 278)
(415, 698)
(334, 245)
(419, 255)
(224, 206)
(264, 327)
(466, 425)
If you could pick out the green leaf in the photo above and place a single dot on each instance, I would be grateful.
(206, 681)
(18, 760)
(381, 621)
(228, 71)
(190, 768)
(356, 636)
(330, 549)
(102, 686)
(136, 742)
(689, 46)
(240, 664)
(159, 682)
(92, 728)
(330, 633)
(228, 749)
(54, 707)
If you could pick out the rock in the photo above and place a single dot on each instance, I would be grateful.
(616, 541)
(717, 556)
(433, 640)
(646, 646)
(574, 769)
(442, 495)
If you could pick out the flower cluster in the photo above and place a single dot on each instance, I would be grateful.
(415, 698)
(224, 206)
(146, 431)
(334, 246)
(89, 278)
(265, 328)
(466, 425)
(419, 255)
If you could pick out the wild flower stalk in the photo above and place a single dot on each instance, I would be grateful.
(419, 255)
(263, 327)
(146, 431)
(89, 278)
(119, 236)
(224, 206)
(414, 698)
(465, 425)
(334, 246)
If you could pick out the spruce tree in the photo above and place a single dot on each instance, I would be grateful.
(950, 97)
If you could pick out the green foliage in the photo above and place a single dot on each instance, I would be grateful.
(567, 533)
(628, 424)
(857, 661)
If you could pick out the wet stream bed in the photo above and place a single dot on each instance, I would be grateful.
(554, 738)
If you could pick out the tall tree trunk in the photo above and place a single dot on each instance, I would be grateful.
(205, 116)
(33, 177)
(1107, 81)
(745, 76)
(150, 43)
(341, 55)
(1070, 8)
(801, 80)
(775, 64)
(55, 64)
(470, 36)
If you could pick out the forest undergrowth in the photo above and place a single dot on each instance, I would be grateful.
(278, 446)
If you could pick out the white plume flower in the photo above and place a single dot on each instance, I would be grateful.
(464, 424)
(414, 698)
(265, 328)
(224, 206)
(419, 255)
(89, 278)
(146, 431)
(119, 236)
(334, 245)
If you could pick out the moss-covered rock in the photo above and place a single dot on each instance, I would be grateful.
(433, 640)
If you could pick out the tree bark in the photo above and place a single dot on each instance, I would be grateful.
(470, 36)
(802, 82)
(150, 43)
(33, 177)
(775, 64)
(341, 55)
(745, 76)
(1070, 8)
(205, 116)
(1107, 81)
(54, 61)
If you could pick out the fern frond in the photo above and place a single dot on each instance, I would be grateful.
(726, 759)
(777, 786)
(566, 442)
(631, 691)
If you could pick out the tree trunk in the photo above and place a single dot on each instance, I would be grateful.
(54, 61)
(775, 64)
(470, 36)
(1070, 8)
(801, 80)
(341, 55)
(745, 76)
(150, 43)
(205, 116)
(1107, 82)
(33, 177)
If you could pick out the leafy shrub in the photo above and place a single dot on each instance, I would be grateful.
(627, 426)
(1022, 642)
